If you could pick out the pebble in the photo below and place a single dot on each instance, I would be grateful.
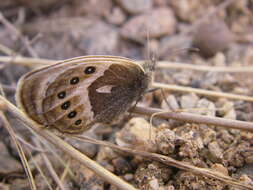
(220, 168)
(86, 148)
(93, 7)
(189, 101)
(215, 151)
(116, 16)
(136, 133)
(170, 104)
(121, 165)
(158, 22)
(206, 107)
(99, 38)
(134, 7)
(212, 37)
(153, 184)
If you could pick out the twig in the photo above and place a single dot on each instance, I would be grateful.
(194, 118)
(58, 142)
(202, 92)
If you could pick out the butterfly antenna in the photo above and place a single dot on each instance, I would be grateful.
(177, 51)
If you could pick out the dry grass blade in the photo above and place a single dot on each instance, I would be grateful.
(29, 145)
(194, 118)
(37, 62)
(204, 68)
(6, 50)
(41, 172)
(171, 162)
(68, 149)
(25, 61)
(65, 172)
(20, 151)
(202, 92)
(51, 169)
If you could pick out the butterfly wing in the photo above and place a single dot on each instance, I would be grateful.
(74, 94)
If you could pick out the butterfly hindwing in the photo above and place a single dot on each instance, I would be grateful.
(74, 94)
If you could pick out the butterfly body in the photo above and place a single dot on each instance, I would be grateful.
(74, 94)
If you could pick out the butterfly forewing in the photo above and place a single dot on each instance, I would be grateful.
(74, 94)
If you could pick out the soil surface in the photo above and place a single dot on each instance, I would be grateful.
(57, 30)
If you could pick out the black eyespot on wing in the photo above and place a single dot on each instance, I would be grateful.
(61, 95)
(65, 105)
(74, 80)
(78, 122)
(89, 70)
(72, 114)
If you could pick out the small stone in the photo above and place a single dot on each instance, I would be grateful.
(212, 37)
(137, 133)
(121, 165)
(153, 184)
(116, 16)
(246, 179)
(167, 140)
(219, 59)
(170, 104)
(86, 148)
(182, 78)
(128, 177)
(93, 7)
(160, 3)
(99, 38)
(134, 7)
(158, 22)
(208, 135)
(189, 101)
(220, 168)
(227, 110)
(206, 107)
(215, 151)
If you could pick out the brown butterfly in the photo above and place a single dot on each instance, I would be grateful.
(74, 94)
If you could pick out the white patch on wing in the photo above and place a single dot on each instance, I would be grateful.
(105, 89)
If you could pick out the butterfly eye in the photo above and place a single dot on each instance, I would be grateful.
(61, 95)
(90, 70)
(74, 80)
(78, 122)
(72, 114)
(65, 105)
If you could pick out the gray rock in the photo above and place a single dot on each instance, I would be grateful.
(134, 7)
(158, 22)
